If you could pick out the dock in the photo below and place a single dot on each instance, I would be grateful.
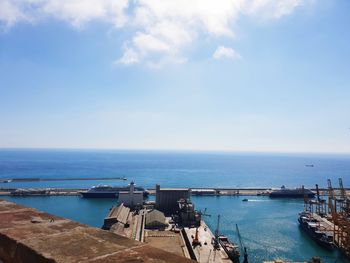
(8, 191)
(205, 252)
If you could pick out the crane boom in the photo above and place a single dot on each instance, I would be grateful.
(245, 259)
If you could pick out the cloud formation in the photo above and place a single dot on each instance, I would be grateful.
(225, 52)
(162, 29)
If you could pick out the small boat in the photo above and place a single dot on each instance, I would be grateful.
(309, 165)
(245, 200)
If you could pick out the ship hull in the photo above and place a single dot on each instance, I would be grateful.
(231, 252)
(99, 195)
(110, 194)
(314, 236)
(291, 195)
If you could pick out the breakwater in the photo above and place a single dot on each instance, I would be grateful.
(36, 179)
(194, 191)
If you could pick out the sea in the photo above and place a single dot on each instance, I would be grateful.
(268, 227)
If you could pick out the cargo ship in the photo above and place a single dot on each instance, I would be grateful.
(107, 191)
(292, 193)
(310, 226)
(231, 250)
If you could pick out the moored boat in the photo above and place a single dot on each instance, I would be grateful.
(231, 250)
(311, 227)
(107, 191)
(291, 192)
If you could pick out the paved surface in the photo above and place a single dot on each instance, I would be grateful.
(29, 235)
(166, 240)
(206, 252)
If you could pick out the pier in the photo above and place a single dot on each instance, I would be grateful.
(204, 251)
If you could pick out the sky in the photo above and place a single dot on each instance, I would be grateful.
(223, 75)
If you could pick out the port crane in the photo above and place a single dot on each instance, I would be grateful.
(216, 240)
(321, 203)
(195, 241)
(307, 203)
(245, 254)
(345, 207)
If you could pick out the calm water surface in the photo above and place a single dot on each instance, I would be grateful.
(269, 227)
(172, 169)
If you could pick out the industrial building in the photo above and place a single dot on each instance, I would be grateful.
(167, 198)
(187, 216)
(131, 198)
(155, 219)
(117, 215)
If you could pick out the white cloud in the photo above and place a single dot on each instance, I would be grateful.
(162, 29)
(225, 52)
(75, 12)
(10, 13)
(272, 8)
(129, 57)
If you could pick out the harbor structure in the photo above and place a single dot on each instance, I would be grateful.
(339, 209)
(328, 222)
(117, 215)
(131, 198)
(155, 219)
(167, 198)
(186, 215)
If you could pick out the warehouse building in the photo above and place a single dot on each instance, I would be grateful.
(155, 219)
(167, 198)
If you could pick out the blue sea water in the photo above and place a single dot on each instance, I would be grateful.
(269, 227)
(173, 169)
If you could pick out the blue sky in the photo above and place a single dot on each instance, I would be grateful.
(233, 75)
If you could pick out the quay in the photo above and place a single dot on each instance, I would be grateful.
(205, 251)
(170, 223)
(40, 191)
(152, 191)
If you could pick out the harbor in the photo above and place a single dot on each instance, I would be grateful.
(266, 235)
(171, 223)
(267, 216)
(33, 191)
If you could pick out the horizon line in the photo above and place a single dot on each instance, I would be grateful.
(171, 150)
